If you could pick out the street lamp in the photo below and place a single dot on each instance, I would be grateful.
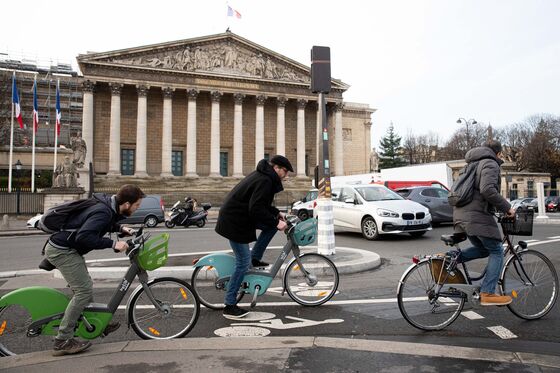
(18, 190)
(467, 123)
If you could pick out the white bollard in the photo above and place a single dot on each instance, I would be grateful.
(325, 227)
(540, 196)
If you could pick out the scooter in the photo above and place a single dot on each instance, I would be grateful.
(180, 217)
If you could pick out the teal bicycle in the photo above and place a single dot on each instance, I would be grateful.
(160, 308)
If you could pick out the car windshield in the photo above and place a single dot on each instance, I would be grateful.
(377, 194)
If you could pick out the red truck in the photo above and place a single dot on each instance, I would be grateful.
(394, 185)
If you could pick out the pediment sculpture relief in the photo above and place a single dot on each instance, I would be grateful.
(225, 58)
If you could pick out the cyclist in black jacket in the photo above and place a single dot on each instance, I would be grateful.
(65, 249)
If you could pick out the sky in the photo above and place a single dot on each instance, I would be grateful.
(421, 64)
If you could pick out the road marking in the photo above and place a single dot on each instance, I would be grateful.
(543, 242)
(502, 332)
(553, 237)
(242, 331)
(471, 315)
(531, 241)
(280, 325)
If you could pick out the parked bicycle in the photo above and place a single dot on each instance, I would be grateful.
(310, 279)
(432, 292)
(160, 308)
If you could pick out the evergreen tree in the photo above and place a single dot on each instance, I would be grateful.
(390, 154)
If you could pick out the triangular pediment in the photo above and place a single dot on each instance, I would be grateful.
(225, 55)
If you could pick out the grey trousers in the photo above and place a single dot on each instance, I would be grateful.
(73, 268)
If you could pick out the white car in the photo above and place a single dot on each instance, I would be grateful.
(32, 223)
(304, 208)
(375, 209)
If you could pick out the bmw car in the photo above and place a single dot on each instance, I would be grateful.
(374, 210)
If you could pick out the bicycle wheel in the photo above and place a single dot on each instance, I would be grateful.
(178, 316)
(210, 292)
(533, 283)
(14, 339)
(314, 282)
(420, 305)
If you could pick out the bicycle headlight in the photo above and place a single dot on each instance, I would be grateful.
(387, 213)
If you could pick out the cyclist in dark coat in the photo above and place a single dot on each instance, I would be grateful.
(246, 208)
(477, 220)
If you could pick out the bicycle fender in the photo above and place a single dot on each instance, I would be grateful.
(223, 263)
(39, 301)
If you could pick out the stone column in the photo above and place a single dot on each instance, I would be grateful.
(338, 141)
(281, 125)
(238, 135)
(87, 120)
(115, 130)
(191, 134)
(167, 132)
(141, 131)
(301, 103)
(215, 135)
(259, 129)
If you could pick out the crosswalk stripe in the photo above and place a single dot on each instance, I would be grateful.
(471, 315)
(502, 332)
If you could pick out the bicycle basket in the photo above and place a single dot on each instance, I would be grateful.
(153, 253)
(521, 226)
(305, 232)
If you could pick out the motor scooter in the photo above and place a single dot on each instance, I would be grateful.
(180, 216)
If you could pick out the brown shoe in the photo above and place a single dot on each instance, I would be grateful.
(111, 328)
(69, 346)
(489, 299)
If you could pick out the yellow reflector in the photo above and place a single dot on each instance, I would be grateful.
(153, 331)
(2, 327)
(296, 267)
(183, 293)
(209, 268)
(514, 293)
(323, 293)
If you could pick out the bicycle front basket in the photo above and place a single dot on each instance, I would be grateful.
(305, 232)
(521, 226)
(154, 252)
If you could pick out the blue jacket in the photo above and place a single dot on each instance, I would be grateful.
(92, 225)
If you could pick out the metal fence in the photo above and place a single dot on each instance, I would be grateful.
(28, 203)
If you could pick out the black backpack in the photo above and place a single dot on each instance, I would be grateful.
(462, 191)
(57, 218)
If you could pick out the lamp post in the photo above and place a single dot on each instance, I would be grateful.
(18, 189)
(467, 123)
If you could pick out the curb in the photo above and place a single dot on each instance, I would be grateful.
(288, 343)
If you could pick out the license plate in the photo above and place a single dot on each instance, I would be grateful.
(414, 222)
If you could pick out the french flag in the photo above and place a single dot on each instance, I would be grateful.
(233, 13)
(15, 101)
(35, 108)
(58, 115)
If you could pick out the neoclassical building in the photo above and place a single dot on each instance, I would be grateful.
(211, 107)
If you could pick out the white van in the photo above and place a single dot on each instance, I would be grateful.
(304, 207)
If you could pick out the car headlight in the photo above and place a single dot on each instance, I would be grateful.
(387, 213)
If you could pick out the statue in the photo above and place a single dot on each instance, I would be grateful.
(373, 161)
(65, 174)
(78, 145)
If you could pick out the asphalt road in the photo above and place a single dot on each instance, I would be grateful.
(364, 307)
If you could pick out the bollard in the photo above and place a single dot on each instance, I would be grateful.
(5, 222)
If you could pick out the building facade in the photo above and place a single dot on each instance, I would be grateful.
(211, 107)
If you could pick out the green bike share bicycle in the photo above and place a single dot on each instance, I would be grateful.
(161, 308)
(310, 279)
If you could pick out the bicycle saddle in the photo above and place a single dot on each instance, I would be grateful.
(453, 239)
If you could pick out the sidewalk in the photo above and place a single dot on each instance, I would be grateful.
(272, 354)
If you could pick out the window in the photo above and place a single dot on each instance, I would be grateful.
(443, 193)
(429, 193)
(127, 161)
(346, 194)
(177, 163)
(224, 163)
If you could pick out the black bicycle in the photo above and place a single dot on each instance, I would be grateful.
(432, 292)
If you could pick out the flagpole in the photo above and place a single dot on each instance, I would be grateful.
(11, 140)
(35, 124)
(56, 131)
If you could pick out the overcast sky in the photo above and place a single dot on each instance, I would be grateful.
(421, 64)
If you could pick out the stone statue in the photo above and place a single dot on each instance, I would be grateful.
(373, 160)
(65, 174)
(78, 145)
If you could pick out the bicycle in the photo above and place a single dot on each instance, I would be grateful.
(432, 292)
(161, 308)
(310, 279)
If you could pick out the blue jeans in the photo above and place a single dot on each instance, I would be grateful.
(243, 259)
(486, 247)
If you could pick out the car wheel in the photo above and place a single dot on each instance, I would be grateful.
(369, 228)
(303, 215)
(151, 221)
(417, 234)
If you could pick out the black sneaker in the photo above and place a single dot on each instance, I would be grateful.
(111, 328)
(69, 346)
(258, 263)
(234, 312)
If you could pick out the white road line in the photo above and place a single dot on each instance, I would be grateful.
(502, 332)
(531, 241)
(553, 237)
(471, 315)
(543, 242)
